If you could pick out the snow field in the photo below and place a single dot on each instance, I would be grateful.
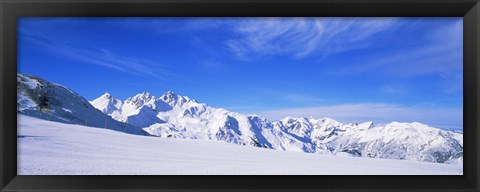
(52, 148)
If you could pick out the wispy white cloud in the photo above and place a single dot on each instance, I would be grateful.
(301, 37)
(101, 57)
(440, 56)
(377, 112)
(442, 53)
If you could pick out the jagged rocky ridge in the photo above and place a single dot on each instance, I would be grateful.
(175, 116)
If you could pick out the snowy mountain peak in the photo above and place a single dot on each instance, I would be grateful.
(144, 95)
(141, 99)
(290, 119)
(173, 99)
(106, 95)
(329, 122)
(418, 124)
(414, 126)
(366, 125)
(170, 93)
(309, 120)
(105, 98)
(107, 103)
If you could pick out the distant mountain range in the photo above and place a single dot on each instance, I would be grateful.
(175, 116)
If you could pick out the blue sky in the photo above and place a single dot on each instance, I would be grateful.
(349, 69)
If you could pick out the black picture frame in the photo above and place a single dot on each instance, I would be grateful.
(11, 10)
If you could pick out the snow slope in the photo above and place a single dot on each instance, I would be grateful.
(176, 116)
(53, 148)
(40, 98)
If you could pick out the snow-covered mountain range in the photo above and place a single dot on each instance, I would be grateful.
(175, 116)
(172, 115)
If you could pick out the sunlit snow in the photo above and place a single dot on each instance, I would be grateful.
(52, 148)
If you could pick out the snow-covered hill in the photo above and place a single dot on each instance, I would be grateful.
(175, 116)
(52, 148)
(39, 98)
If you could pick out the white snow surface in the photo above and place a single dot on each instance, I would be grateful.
(53, 148)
